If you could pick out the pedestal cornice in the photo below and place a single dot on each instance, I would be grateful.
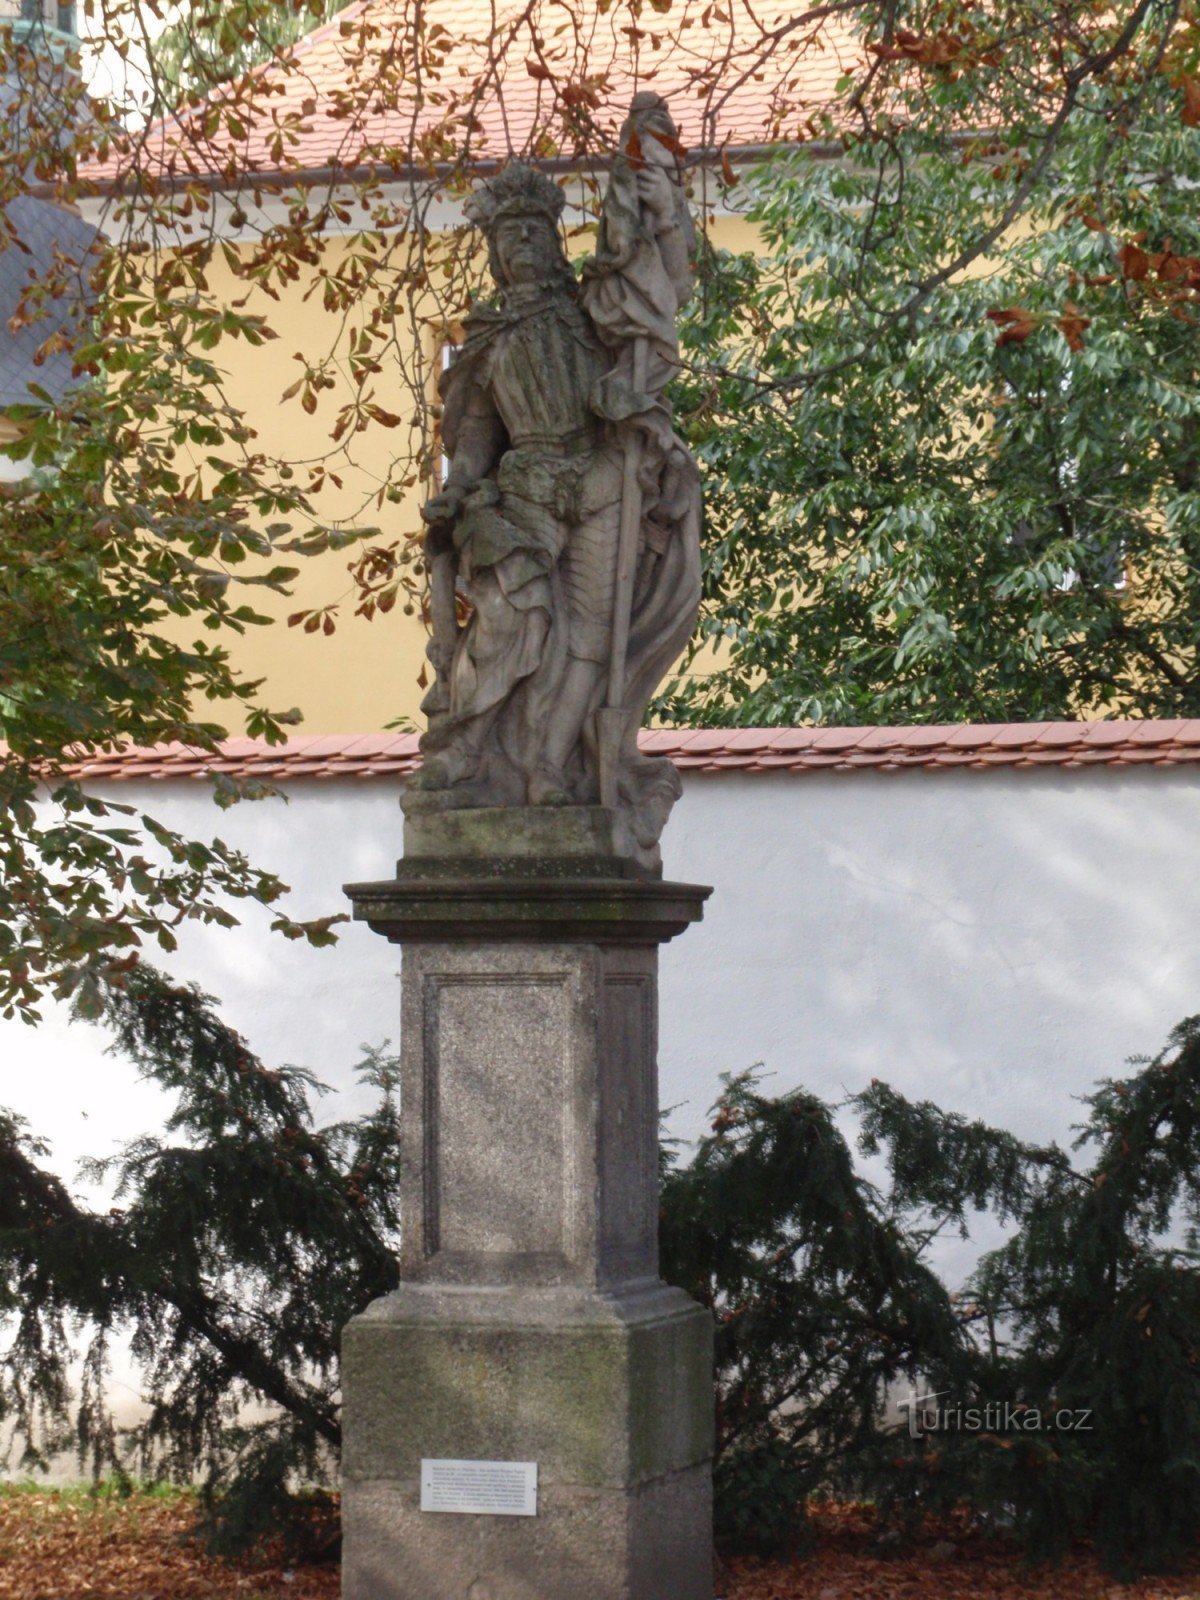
(438, 906)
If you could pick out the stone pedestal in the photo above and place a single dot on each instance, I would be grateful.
(531, 1325)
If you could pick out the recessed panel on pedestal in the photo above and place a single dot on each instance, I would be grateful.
(498, 1091)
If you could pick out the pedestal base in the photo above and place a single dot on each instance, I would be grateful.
(611, 1396)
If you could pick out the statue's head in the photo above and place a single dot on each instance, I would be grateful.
(518, 210)
(651, 130)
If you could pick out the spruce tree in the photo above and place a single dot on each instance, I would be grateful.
(244, 1236)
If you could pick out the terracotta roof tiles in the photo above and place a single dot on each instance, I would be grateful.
(335, 113)
(1023, 745)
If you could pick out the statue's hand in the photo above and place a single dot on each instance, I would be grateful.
(445, 507)
(656, 193)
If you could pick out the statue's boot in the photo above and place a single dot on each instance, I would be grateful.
(446, 771)
(548, 787)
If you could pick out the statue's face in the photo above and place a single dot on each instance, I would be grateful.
(527, 249)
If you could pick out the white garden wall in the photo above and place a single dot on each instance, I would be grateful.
(994, 940)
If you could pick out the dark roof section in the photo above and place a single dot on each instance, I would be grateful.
(36, 238)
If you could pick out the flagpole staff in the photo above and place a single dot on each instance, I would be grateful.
(642, 274)
(443, 617)
(610, 719)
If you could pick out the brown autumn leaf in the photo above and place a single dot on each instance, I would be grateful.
(668, 143)
(930, 50)
(1015, 333)
(1072, 325)
(1014, 322)
(1177, 269)
(535, 69)
(727, 172)
(1135, 263)
(1190, 115)
(50, 347)
(386, 419)
(580, 94)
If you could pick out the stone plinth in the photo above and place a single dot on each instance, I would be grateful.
(611, 1395)
(531, 1325)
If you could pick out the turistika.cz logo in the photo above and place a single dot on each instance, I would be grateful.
(926, 1415)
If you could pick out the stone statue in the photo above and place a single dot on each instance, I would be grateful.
(570, 517)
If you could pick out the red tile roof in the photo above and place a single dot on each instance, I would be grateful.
(1019, 745)
(735, 74)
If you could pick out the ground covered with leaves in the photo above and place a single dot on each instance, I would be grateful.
(73, 1545)
(950, 1559)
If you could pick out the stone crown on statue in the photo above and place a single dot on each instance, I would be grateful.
(518, 191)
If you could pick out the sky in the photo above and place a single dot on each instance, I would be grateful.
(109, 75)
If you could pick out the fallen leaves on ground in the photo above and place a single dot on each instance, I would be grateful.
(948, 1560)
(75, 1546)
(70, 1545)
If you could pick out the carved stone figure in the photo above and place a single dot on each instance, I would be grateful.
(570, 516)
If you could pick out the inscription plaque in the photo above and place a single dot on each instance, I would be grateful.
(481, 1488)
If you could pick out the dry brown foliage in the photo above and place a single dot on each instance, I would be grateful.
(56, 1546)
(72, 1546)
(947, 1560)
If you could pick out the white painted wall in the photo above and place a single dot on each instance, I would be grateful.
(995, 941)
(992, 940)
(11, 471)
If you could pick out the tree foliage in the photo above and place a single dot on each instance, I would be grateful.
(1092, 1306)
(950, 483)
(1076, 1344)
(822, 1302)
(240, 1242)
(205, 44)
(242, 1239)
(103, 546)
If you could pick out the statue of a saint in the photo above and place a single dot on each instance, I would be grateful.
(570, 516)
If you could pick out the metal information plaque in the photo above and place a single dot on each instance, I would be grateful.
(484, 1488)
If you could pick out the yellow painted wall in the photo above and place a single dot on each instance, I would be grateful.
(364, 675)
